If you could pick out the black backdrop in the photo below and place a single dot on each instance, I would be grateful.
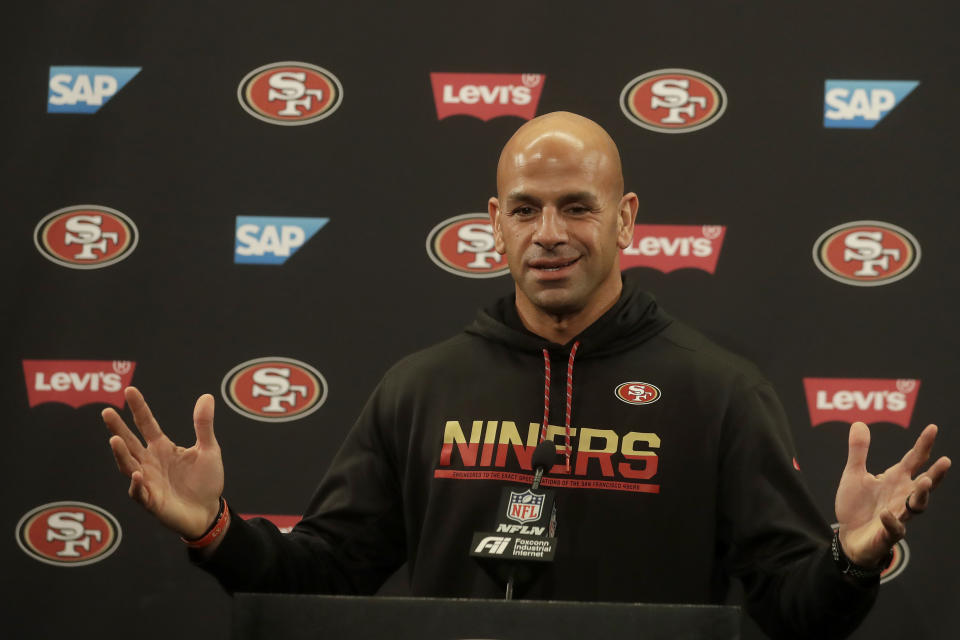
(175, 152)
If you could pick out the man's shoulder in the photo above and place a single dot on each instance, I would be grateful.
(690, 346)
(445, 355)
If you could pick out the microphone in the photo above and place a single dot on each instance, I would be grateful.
(545, 455)
(529, 516)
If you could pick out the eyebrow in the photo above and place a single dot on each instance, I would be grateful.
(577, 196)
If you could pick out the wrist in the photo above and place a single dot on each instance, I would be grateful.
(216, 529)
(849, 567)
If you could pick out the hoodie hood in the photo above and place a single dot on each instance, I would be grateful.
(634, 318)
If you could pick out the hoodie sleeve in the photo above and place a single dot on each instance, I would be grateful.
(772, 535)
(350, 540)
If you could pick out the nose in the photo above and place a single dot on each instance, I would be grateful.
(551, 228)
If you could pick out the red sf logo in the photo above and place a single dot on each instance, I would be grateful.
(638, 393)
(463, 245)
(866, 253)
(290, 93)
(274, 389)
(673, 100)
(68, 534)
(86, 236)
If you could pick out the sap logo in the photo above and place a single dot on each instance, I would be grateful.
(271, 240)
(85, 89)
(861, 104)
(493, 545)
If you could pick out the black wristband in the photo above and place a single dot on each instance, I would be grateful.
(848, 568)
(212, 524)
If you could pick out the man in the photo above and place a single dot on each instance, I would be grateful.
(677, 465)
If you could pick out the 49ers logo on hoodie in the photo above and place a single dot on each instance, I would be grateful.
(85, 236)
(673, 100)
(290, 93)
(668, 247)
(464, 245)
(638, 393)
(487, 95)
(866, 253)
(68, 534)
(274, 389)
(861, 399)
(77, 382)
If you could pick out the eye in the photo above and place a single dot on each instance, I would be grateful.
(578, 209)
(523, 210)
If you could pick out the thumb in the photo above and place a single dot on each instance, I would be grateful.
(858, 444)
(203, 421)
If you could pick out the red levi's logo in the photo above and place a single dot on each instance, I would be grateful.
(77, 382)
(284, 523)
(487, 95)
(868, 400)
(668, 247)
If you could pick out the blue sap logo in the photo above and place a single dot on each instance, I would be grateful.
(85, 89)
(271, 240)
(861, 104)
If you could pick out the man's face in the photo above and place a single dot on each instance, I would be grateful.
(561, 221)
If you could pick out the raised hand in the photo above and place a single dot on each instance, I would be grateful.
(181, 487)
(872, 509)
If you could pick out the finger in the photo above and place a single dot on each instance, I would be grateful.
(893, 527)
(118, 427)
(858, 443)
(203, 421)
(937, 471)
(919, 453)
(142, 415)
(138, 490)
(125, 462)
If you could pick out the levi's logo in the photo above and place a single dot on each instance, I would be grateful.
(865, 399)
(77, 382)
(668, 247)
(487, 95)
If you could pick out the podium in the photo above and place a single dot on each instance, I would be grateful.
(308, 617)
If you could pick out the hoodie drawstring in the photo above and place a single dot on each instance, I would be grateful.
(546, 398)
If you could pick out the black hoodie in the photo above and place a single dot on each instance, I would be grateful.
(682, 475)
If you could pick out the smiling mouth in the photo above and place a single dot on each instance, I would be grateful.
(552, 265)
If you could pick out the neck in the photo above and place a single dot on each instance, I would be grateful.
(561, 328)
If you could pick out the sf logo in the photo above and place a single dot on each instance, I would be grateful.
(288, 87)
(274, 383)
(865, 247)
(671, 94)
(86, 231)
(640, 393)
(477, 239)
(67, 527)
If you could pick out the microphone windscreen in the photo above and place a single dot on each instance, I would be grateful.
(545, 455)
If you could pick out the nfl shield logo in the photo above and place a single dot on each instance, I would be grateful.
(524, 507)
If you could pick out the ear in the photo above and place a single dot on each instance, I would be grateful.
(493, 208)
(626, 219)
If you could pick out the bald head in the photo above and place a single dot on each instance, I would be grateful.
(561, 139)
